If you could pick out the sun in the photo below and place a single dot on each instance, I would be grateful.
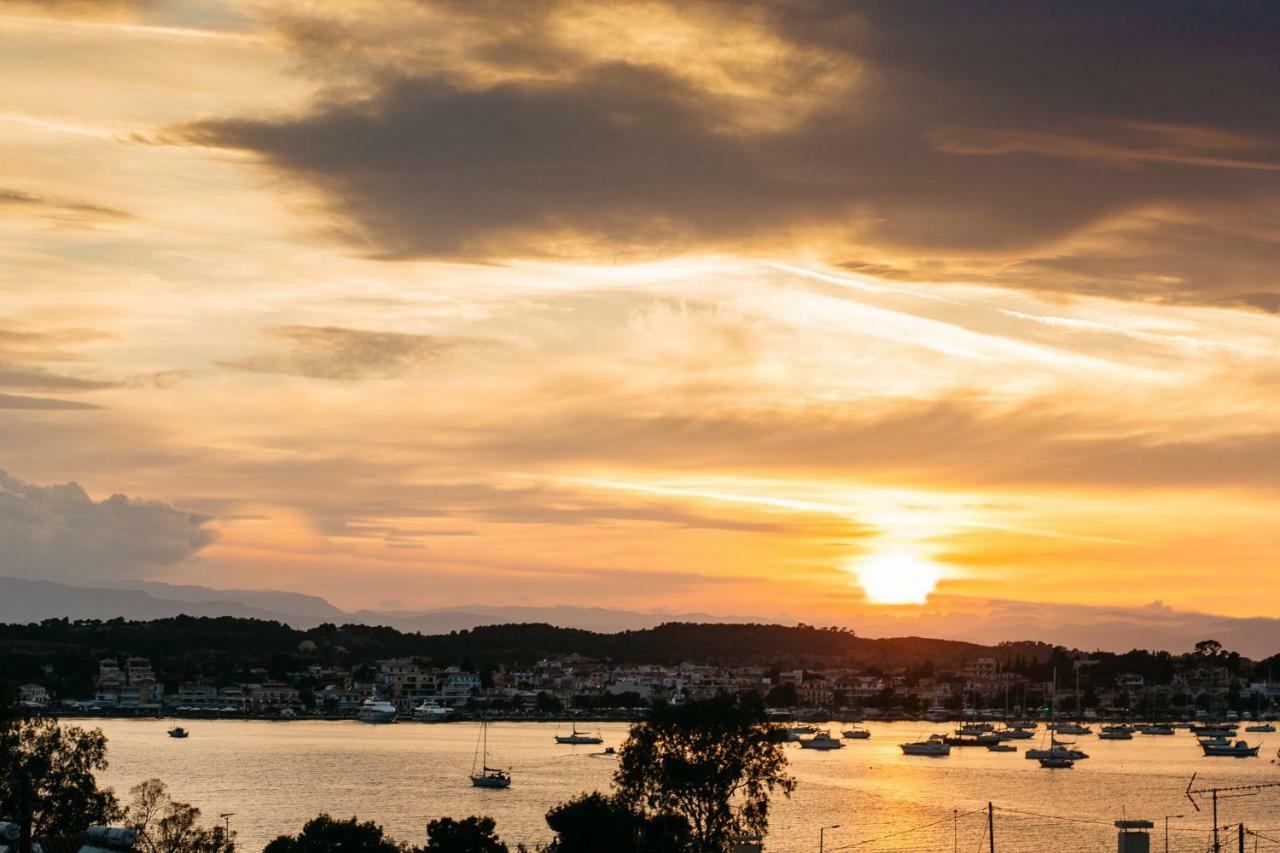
(897, 578)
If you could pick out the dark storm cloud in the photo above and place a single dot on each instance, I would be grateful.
(621, 157)
(978, 140)
(334, 352)
(61, 532)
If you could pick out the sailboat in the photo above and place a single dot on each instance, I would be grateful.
(1059, 755)
(579, 737)
(488, 777)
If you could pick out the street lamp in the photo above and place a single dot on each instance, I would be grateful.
(822, 833)
(1166, 829)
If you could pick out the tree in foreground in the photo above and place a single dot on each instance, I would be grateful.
(469, 835)
(166, 826)
(323, 833)
(596, 822)
(47, 782)
(714, 763)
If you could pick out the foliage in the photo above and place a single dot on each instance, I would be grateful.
(323, 833)
(47, 772)
(166, 826)
(469, 835)
(782, 696)
(714, 763)
(596, 822)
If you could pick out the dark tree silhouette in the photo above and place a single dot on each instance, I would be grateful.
(47, 782)
(469, 835)
(714, 763)
(324, 833)
(594, 822)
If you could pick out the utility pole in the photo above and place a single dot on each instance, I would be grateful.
(822, 835)
(991, 827)
(1166, 829)
(1241, 848)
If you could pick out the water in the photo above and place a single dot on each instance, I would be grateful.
(276, 775)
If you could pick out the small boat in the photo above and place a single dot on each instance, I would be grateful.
(488, 777)
(375, 710)
(972, 740)
(1001, 747)
(1057, 750)
(1239, 749)
(1260, 727)
(822, 740)
(856, 733)
(1057, 762)
(1117, 733)
(579, 738)
(933, 746)
(1156, 729)
(609, 750)
(178, 731)
(1015, 734)
(1214, 731)
(1072, 729)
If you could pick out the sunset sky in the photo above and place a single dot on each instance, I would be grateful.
(798, 306)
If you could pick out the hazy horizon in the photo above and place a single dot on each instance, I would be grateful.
(837, 310)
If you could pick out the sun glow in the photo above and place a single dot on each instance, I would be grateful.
(897, 578)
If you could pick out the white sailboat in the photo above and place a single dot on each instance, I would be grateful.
(488, 777)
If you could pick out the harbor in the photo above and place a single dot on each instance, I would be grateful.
(405, 774)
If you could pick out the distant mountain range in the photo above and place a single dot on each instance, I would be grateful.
(973, 620)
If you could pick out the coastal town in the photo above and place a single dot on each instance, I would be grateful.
(578, 685)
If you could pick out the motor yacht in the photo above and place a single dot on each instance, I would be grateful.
(430, 712)
(375, 710)
(821, 740)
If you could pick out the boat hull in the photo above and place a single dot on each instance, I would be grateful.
(491, 781)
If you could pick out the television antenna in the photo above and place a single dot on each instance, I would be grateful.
(1226, 793)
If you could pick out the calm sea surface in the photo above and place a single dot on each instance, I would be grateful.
(275, 776)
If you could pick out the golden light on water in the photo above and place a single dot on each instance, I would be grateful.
(897, 578)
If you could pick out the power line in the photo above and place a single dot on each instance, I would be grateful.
(899, 832)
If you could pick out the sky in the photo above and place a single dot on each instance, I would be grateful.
(815, 307)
